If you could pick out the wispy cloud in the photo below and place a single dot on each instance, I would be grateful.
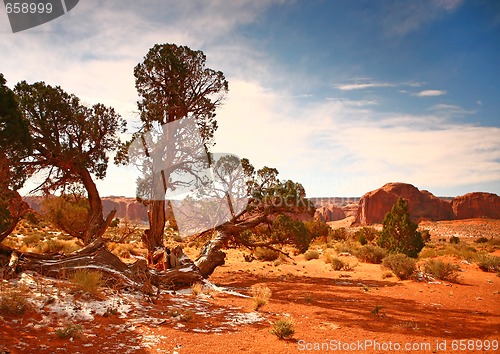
(362, 86)
(430, 93)
(401, 18)
(450, 110)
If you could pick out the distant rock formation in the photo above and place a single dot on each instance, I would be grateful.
(126, 208)
(476, 205)
(329, 213)
(423, 205)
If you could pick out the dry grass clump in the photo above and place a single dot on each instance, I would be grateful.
(87, 281)
(70, 331)
(58, 246)
(371, 254)
(283, 328)
(488, 263)
(403, 266)
(260, 295)
(13, 300)
(441, 270)
(265, 254)
(197, 289)
(311, 254)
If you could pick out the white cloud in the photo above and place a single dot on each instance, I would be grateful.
(450, 110)
(430, 93)
(362, 86)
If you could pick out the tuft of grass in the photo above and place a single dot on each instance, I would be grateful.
(197, 289)
(401, 265)
(488, 263)
(266, 254)
(87, 281)
(283, 328)
(337, 264)
(371, 254)
(311, 254)
(260, 295)
(70, 331)
(376, 310)
(388, 274)
(441, 270)
(13, 301)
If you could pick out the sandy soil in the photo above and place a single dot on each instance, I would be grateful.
(330, 309)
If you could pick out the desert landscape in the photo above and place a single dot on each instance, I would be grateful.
(334, 296)
(272, 176)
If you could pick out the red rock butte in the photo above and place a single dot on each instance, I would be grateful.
(423, 205)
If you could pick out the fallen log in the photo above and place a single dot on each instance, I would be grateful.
(96, 256)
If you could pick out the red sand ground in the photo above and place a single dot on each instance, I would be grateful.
(327, 306)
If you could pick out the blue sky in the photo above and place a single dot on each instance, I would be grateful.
(342, 96)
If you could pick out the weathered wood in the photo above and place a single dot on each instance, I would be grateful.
(97, 257)
(212, 256)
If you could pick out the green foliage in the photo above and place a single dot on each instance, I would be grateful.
(15, 140)
(283, 328)
(371, 254)
(285, 230)
(399, 233)
(441, 270)
(68, 212)
(317, 228)
(401, 265)
(115, 222)
(366, 234)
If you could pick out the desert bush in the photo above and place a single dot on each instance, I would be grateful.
(338, 234)
(337, 264)
(54, 246)
(317, 228)
(13, 301)
(401, 265)
(32, 240)
(260, 295)
(399, 233)
(388, 274)
(311, 254)
(441, 270)
(70, 331)
(461, 250)
(87, 281)
(371, 254)
(426, 235)
(346, 247)
(454, 240)
(283, 328)
(266, 254)
(366, 234)
(429, 252)
(481, 240)
(285, 230)
(68, 212)
(488, 263)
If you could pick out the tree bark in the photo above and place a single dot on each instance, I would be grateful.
(153, 237)
(212, 256)
(96, 224)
